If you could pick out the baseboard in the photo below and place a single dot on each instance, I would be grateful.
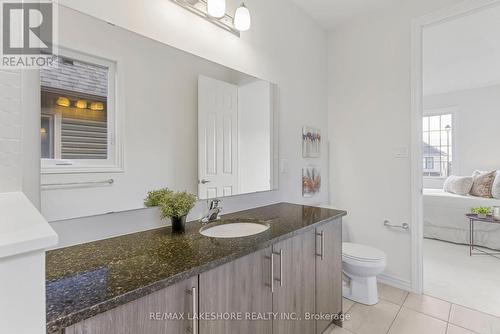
(394, 282)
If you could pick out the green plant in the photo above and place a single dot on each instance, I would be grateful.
(155, 196)
(482, 210)
(172, 204)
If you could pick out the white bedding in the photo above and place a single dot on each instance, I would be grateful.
(444, 218)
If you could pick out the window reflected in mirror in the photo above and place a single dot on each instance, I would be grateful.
(75, 122)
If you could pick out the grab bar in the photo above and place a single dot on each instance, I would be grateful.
(85, 183)
(404, 226)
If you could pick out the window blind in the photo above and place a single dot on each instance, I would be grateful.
(83, 139)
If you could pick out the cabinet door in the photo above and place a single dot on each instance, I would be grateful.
(328, 271)
(139, 316)
(240, 288)
(294, 286)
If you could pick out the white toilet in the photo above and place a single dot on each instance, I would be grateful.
(361, 264)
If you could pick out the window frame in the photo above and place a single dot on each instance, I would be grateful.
(52, 127)
(114, 161)
(429, 161)
(453, 111)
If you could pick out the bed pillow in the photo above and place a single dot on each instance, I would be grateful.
(483, 184)
(460, 185)
(495, 189)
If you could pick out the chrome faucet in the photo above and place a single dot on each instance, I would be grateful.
(214, 209)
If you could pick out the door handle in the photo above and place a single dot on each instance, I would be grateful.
(204, 181)
(322, 238)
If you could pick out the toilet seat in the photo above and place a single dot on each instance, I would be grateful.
(361, 253)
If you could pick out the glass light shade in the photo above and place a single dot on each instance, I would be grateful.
(97, 106)
(242, 20)
(81, 104)
(216, 8)
(63, 102)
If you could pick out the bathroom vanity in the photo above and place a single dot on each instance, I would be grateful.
(155, 281)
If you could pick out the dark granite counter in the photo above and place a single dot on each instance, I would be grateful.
(88, 279)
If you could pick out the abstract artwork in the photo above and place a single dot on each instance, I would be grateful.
(311, 181)
(311, 142)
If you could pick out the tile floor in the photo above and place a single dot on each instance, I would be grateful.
(400, 312)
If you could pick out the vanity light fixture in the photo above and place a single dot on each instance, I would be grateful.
(81, 104)
(63, 102)
(214, 11)
(242, 19)
(216, 8)
(98, 106)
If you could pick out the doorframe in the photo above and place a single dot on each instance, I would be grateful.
(418, 25)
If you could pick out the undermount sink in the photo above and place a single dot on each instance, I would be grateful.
(234, 228)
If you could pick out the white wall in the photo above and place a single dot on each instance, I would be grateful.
(10, 131)
(369, 120)
(284, 46)
(462, 53)
(476, 134)
(18, 125)
(254, 136)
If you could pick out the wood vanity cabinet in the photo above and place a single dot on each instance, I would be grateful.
(307, 273)
(136, 317)
(239, 287)
(294, 287)
(299, 275)
(328, 271)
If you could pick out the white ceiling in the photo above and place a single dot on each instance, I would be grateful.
(329, 13)
(460, 54)
(463, 54)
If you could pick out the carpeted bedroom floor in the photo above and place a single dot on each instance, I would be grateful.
(451, 274)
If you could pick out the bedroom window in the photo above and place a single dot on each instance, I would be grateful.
(428, 163)
(78, 123)
(437, 139)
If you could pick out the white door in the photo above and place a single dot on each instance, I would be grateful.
(217, 138)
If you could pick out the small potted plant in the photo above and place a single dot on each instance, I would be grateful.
(173, 205)
(482, 212)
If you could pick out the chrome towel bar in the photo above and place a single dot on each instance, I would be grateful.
(84, 183)
(404, 226)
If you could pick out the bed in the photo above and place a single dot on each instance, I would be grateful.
(444, 219)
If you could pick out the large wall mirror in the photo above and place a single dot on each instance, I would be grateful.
(123, 114)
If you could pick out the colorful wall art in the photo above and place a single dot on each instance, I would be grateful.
(311, 142)
(311, 181)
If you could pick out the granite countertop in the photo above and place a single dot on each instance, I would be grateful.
(85, 280)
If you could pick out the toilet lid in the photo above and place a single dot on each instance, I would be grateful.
(361, 252)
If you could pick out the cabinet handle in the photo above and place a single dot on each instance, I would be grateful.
(194, 328)
(321, 235)
(195, 310)
(280, 253)
(272, 272)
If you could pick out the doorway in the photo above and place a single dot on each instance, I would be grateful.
(456, 99)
